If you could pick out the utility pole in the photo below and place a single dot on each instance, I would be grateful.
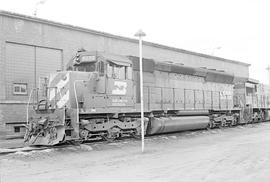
(214, 49)
(36, 6)
(141, 34)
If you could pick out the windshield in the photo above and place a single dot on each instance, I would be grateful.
(87, 67)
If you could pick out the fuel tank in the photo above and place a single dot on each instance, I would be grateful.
(193, 113)
(175, 124)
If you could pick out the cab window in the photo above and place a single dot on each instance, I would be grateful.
(116, 72)
(89, 67)
(128, 72)
(109, 70)
(101, 68)
(119, 71)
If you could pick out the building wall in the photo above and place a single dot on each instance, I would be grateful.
(11, 114)
(2, 63)
(70, 40)
(25, 64)
(31, 47)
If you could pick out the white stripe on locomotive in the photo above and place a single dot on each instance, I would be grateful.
(60, 85)
(63, 101)
(64, 97)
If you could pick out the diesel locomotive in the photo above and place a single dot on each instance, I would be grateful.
(98, 97)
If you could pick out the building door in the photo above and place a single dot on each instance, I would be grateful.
(25, 64)
(47, 61)
(20, 72)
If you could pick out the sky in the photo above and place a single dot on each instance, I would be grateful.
(231, 29)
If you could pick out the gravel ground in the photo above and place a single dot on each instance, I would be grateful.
(233, 154)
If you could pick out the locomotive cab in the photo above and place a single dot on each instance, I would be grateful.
(105, 96)
(110, 87)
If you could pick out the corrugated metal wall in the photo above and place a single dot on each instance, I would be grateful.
(26, 63)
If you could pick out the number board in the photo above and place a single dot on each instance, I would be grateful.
(88, 58)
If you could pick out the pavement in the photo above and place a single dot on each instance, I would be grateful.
(237, 154)
(11, 143)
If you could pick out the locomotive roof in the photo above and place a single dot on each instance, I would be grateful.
(116, 59)
(211, 75)
(150, 65)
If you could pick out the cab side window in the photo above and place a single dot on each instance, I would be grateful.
(101, 68)
(109, 70)
(119, 71)
(128, 72)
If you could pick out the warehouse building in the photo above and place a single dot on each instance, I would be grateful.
(31, 48)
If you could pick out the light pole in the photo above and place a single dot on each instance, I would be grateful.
(141, 34)
(36, 6)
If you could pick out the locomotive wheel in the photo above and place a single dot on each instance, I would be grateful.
(111, 134)
(108, 139)
(84, 134)
(223, 122)
(233, 123)
(210, 126)
(136, 135)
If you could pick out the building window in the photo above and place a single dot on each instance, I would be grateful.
(20, 88)
(17, 129)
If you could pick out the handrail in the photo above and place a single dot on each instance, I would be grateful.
(29, 100)
(76, 98)
(27, 110)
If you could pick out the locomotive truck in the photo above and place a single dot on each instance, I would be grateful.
(98, 97)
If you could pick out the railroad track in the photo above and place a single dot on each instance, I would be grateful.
(64, 145)
(21, 149)
(69, 144)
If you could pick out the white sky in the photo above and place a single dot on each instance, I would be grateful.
(240, 27)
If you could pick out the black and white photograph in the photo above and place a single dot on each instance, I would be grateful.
(134, 91)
